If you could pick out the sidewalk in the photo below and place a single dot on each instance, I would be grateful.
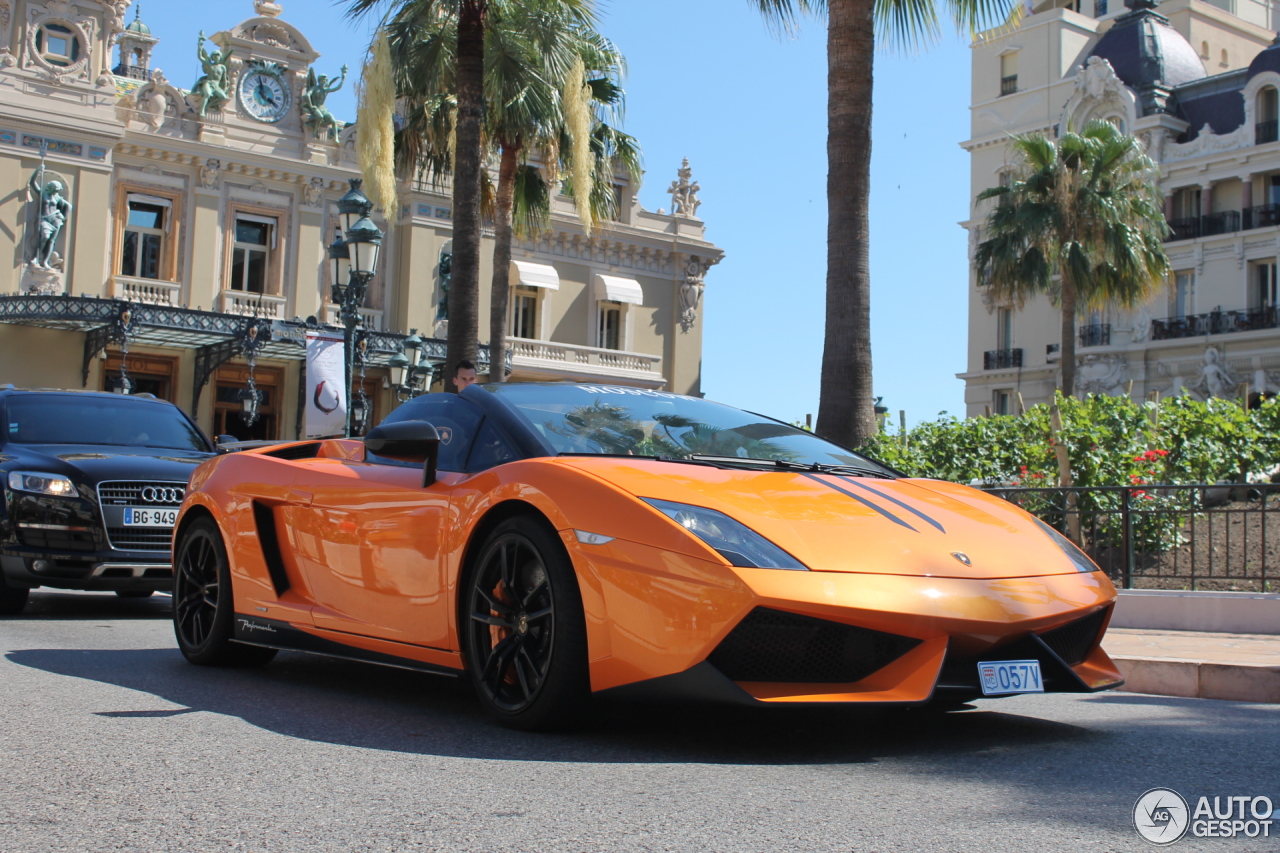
(1241, 667)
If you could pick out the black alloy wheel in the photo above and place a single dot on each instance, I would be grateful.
(203, 606)
(524, 633)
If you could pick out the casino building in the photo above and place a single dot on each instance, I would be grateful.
(1197, 82)
(185, 236)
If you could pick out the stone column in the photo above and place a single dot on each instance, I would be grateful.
(1206, 198)
(1246, 191)
(1168, 206)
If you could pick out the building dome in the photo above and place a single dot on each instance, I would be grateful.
(137, 26)
(1146, 52)
(1268, 60)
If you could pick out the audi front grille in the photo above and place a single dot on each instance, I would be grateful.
(139, 493)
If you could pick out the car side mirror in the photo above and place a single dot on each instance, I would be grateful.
(221, 440)
(407, 441)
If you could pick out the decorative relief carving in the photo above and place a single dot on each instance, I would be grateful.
(210, 174)
(1102, 374)
(82, 28)
(684, 192)
(691, 292)
(312, 192)
(1207, 142)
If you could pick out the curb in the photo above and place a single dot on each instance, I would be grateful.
(1192, 679)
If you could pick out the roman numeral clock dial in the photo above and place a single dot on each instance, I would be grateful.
(264, 94)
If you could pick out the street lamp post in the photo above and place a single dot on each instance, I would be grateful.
(354, 263)
(411, 373)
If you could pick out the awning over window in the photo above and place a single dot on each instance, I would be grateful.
(529, 274)
(615, 289)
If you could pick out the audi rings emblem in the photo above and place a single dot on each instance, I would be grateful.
(162, 495)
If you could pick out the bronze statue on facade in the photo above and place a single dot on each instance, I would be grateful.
(315, 114)
(214, 88)
(53, 211)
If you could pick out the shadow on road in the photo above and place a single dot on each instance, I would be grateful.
(47, 604)
(372, 707)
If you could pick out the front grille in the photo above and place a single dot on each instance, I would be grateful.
(140, 538)
(133, 493)
(772, 645)
(1073, 641)
(55, 540)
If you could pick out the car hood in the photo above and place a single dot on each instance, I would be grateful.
(93, 464)
(834, 523)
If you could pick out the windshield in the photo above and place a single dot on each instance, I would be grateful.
(57, 419)
(612, 420)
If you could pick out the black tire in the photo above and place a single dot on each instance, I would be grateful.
(134, 593)
(524, 636)
(12, 598)
(203, 606)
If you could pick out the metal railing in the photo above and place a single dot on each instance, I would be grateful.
(1265, 131)
(1223, 537)
(1223, 222)
(1000, 359)
(1262, 216)
(1216, 322)
(1184, 229)
(1008, 85)
(1095, 335)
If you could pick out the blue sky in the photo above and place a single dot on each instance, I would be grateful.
(710, 82)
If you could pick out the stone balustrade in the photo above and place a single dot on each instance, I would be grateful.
(148, 291)
(372, 317)
(251, 304)
(576, 360)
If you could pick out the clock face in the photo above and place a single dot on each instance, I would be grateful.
(263, 96)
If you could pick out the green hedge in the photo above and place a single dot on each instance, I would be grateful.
(1113, 441)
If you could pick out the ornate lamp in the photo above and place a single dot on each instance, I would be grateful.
(426, 375)
(399, 366)
(340, 264)
(122, 385)
(413, 348)
(249, 403)
(364, 240)
(354, 205)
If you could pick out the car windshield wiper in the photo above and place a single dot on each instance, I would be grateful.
(686, 460)
(788, 465)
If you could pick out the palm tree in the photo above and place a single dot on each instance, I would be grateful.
(531, 50)
(1082, 220)
(469, 19)
(846, 409)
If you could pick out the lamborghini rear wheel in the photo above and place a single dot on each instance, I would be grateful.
(203, 607)
(524, 634)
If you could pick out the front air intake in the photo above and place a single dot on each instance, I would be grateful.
(773, 645)
(1073, 641)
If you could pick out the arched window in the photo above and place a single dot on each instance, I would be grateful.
(1118, 122)
(1268, 106)
(1224, 62)
(1204, 50)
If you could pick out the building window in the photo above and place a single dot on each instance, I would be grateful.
(610, 331)
(144, 233)
(57, 45)
(1004, 328)
(1268, 112)
(1180, 294)
(251, 254)
(524, 313)
(1186, 203)
(1263, 292)
(1204, 50)
(1000, 401)
(1224, 61)
(1008, 74)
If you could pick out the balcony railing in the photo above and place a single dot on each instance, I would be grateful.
(571, 359)
(146, 290)
(1095, 335)
(1223, 222)
(1184, 229)
(1265, 131)
(371, 318)
(1262, 216)
(1008, 85)
(1052, 352)
(252, 304)
(1001, 359)
(1216, 322)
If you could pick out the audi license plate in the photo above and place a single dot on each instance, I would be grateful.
(139, 517)
(1010, 676)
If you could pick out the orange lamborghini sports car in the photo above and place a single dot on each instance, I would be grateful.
(553, 541)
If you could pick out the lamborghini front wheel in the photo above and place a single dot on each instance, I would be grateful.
(203, 607)
(524, 632)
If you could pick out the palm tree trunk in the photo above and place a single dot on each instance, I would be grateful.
(1068, 355)
(501, 287)
(464, 292)
(846, 406)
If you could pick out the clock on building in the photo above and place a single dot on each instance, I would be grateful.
(264, 93)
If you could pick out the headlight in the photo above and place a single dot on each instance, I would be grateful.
(1073, 552)
(734, 541)
(42, 484)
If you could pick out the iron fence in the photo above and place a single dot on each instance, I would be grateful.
(1221, 537)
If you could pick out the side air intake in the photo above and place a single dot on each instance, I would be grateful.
(773, 645)
(1073, 641)
(296, 451)
(265, 519)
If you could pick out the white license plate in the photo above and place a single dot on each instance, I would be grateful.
(137, 517)
(1010, 676)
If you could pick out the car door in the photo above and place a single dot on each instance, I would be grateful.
(371, 540)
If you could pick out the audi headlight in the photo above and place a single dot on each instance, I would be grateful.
(42, 484)
(1073, 552)
(734, 541)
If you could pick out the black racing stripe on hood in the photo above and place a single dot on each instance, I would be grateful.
(908, 507)
(862, 501)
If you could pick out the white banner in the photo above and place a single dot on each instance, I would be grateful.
(326, 394)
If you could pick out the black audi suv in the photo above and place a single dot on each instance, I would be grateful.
(92, 485)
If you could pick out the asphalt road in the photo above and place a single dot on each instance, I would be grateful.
(110, 741)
